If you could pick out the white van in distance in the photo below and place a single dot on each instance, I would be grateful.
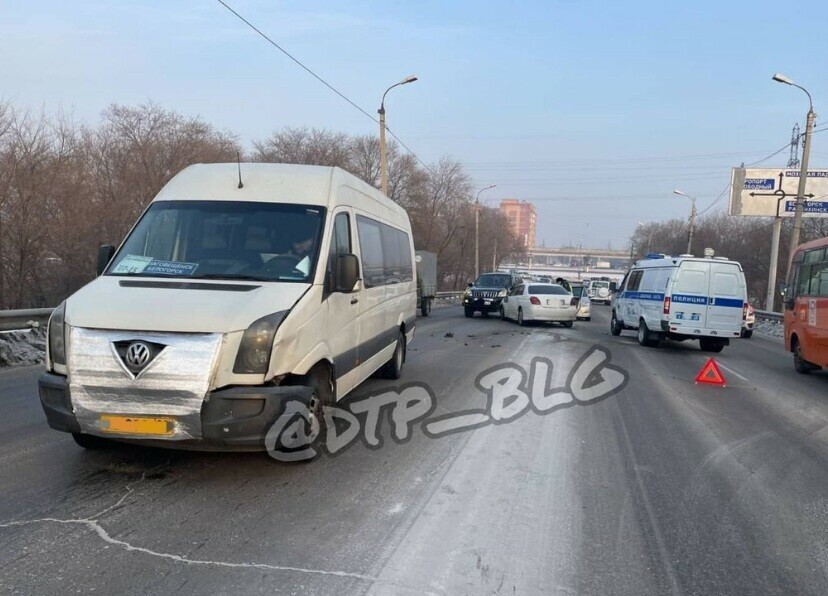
(682, 298)
(240, 287)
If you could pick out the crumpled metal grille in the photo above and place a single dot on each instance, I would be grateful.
(173, 385)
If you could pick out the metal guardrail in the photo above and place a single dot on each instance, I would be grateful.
(769, 315)
(11, 320)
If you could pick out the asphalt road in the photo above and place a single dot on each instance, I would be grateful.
(663, 487)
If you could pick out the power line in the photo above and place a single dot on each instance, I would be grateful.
(321, 80)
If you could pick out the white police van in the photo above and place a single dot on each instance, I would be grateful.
(679, 298)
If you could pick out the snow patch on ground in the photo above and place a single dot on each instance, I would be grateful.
(767, 327)
(23, 347)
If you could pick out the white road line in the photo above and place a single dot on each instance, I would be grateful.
(730, 370)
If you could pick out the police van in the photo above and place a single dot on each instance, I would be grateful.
(680, 298)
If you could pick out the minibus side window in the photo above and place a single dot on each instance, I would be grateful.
(370, 247)
(819, 279)
(803, 278)
(340, 239)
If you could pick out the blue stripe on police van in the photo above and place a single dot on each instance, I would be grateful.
(643, 296)
(728, 302)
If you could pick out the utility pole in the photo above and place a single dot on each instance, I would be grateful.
(383, 149)
(477, 230)
(793, 162)
(803, 170)
(692, 231)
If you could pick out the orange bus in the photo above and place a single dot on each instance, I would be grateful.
(806, 307)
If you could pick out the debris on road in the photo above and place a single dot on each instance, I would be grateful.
(449, 334)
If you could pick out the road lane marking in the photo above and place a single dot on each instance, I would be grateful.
(730, 370)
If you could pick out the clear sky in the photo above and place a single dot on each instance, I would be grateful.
(595, 111)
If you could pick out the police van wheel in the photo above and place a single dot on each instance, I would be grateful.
(711, 345)
(615, 325)
(645, 336)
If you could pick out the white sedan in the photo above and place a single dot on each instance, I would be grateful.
(539, 302)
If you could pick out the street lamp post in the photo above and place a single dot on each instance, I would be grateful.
(692, 220)
(383, 151)
(803, 170)
(477, 230)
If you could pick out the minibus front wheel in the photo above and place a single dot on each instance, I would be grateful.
(801, 365)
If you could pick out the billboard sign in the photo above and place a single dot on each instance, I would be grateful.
(759, 192)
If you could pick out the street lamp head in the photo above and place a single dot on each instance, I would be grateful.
(678, 192)
(408, 79)
(780, 78)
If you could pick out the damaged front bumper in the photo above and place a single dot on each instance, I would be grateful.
(232, 419)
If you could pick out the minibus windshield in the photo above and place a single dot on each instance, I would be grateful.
(223, 240)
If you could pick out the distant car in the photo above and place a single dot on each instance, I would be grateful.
(599, 291)
(528, 302)
(749, 322)
(486, 293)
(579, 291)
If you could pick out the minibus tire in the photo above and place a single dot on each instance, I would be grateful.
(393, 368)
(567, 324)
(502, 314)
(615, 326)
(520, 320)
(801, 365)
(91, 441)
(425, 307)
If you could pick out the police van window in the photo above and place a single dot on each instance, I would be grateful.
(691, 281)
(725, 284)
(635, 281)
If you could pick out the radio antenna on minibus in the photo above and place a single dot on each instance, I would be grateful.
(238, 161)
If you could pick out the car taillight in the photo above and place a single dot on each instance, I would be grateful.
(535, 300)
(574, 301)
(744, 312)
(666, 309)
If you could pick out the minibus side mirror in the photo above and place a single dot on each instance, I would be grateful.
(346, 274)
(105, 254)
(613, 287)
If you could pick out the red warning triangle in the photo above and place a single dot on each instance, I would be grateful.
(711, 375)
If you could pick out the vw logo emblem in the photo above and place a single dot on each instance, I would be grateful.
(138, 355)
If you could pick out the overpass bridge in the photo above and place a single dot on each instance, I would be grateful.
(570, 263)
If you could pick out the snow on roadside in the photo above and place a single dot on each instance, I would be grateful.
(768, 327)
(26, 346)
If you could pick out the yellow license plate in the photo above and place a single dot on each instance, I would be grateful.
(137, 425)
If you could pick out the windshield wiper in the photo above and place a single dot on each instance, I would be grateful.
(232, 276)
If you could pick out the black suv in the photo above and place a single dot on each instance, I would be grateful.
(486, 293)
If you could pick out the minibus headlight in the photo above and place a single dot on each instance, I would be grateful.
(56, 345)
(256, 345)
